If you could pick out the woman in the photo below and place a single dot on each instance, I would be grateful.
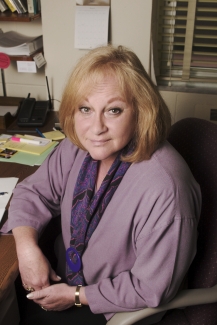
(129, 204)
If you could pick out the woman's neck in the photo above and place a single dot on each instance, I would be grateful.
(102, 172)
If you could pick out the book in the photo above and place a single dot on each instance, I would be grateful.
(21, 9)
(13, 43)
(15, 4)
(33, 6)
(22, 5)
(10, 5)
(30, 6)
(3, 6)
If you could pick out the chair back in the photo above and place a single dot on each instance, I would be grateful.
(196, 140)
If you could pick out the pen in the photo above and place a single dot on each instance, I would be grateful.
(39, 132)
(28, 141)
(3, 193)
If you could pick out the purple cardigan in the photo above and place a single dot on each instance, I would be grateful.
(146, 239)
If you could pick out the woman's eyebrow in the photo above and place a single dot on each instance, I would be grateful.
(116, 99)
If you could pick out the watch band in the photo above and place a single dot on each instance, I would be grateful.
(77, 293)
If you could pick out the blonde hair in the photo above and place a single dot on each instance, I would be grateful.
(151, 113)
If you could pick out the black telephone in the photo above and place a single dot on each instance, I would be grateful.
(32, 112)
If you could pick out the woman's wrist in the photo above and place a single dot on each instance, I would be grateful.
(80, 296)
(26, 239)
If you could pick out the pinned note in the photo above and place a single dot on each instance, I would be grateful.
(91, 26)
(26, 66)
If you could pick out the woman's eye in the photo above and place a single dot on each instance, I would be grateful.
(84, 110)
(115, 111)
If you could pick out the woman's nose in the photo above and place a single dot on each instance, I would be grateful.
(98, 125)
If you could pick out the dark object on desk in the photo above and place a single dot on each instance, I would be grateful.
(32, 112)
(7, 119)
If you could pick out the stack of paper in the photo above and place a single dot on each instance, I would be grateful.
(6, 187)
(29, 148)
(13, 43)
(22, 153)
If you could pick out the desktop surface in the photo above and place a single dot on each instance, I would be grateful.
(8, 258)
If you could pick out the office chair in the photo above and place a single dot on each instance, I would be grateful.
(196, 140)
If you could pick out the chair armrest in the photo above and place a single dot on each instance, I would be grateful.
(184, 298)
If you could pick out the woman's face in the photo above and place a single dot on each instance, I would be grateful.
(104, 121)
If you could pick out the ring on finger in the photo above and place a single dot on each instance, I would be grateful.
(30, 289)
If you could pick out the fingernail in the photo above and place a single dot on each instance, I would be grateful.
(29, 296)
(58, 277)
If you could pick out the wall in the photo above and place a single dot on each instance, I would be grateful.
(130, 26)
(182, 105)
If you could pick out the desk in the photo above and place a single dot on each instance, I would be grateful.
(8, 258)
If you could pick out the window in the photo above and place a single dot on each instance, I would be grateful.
(185, 43)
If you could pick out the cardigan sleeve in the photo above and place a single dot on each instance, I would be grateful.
(162, 259)
(38, 198)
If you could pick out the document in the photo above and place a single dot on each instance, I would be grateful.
(27, 158)
(6, 187)
(91, 26)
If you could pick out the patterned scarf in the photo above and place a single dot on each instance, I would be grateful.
(88, 207)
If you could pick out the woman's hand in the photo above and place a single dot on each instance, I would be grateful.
(57, 297)
(35, 269)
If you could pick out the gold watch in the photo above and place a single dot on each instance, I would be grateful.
(77, 293)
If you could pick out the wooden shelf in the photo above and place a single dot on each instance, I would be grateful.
(25, 57)
(9, 16)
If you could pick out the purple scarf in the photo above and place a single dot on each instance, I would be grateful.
(88, 208)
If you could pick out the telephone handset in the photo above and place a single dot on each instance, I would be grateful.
(32, 112)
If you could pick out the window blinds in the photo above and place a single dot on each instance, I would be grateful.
(187, 43)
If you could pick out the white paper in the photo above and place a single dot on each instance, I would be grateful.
(11, 109)
(3, 139)
(13, 43)
(5, 136)
(91, 26)
(26, 66)
(93, 2)
(39, 60)
(6, 185)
